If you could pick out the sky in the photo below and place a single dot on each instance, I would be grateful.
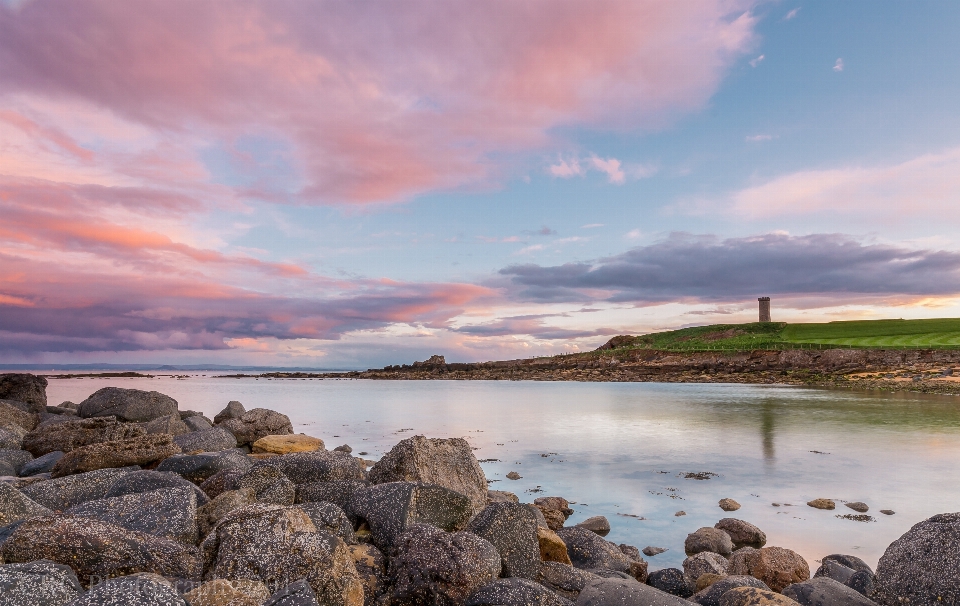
(355, 184)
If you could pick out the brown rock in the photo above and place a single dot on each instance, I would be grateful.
(285, 444)
(597, 524)
(371, 565)
(558, 503)
(514, 476)
(729, 505)
(822, 504)
(554, 517)
(501, 496)
(708, 579)
(754, 596)
(858, 506)
(221, 592)
(76, 434)
(119, 453)
(775, 566)
(552, 547)
(743, 534)
(258, 423)
(221, 506)
(11, 416)
(27, 388)
(171, 424)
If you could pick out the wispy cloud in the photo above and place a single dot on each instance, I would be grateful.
(609, 166)
(755, 62)
(838, 66)
(566, 168)
(633, 234)
(758, 138)
(793, 13)
(615, 170)
(591, 225)
(543, 231)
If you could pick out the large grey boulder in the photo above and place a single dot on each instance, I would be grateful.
(257, 423)
(824, 591)
(270, 543)
(132, 590)
(199, 467)
(330, 518)
(449, 463)
(11, 438)
(143, 450)
(339, 493)
(390, 509)
(149, 480)
(233, 410)
(170, 513)
(670, 580)
(96, 550)
(861, 580)
(512, 529)
(63, 493)
(215, 439)
(170, 424)
(317, 466)
(13, 460)
(42, 464)
(69, 435)
(197, 423)
(38, 583)
(27, 388)
(708, 539)
(922, 566)
(743, 534)
(131, 405)
(712, 594)
(705, 562)
(12, 414)
(16, 506)
(588, 551)
(220, 507)
(433, 566)
(623, 592)
(515, 592)
(268, 485)
(565, 580)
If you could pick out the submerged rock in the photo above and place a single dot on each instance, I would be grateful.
(822, 504)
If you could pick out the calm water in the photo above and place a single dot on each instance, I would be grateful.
(618, 448)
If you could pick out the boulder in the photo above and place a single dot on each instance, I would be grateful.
(512, 529)
(711, 595)
(223, 592)
(339, 493)
(729, 505)
(922, 566)
(389, 509)
(708, 539)
(705, 562)
(344, 448)
(371, 565)
(268, 485)
(217, 509)
(130, 405)
(96, 550)
(63, 493)
(132, 590)
(69, 435)
(557, 503)
(286, 444)
(824, 591)
(775, 566)
(849, 570)
(651, 551)
(330, 518)
(449, 463)
(26, 388)
(295, 594)
(752, 596)
(319, 466)
(552, 547)
(554, 518)
(11, 438)
(198, 467)
(743, 534)
(597, 524)
(16, 506)
(270, 543)
(515, 592)
(430, 566)
(822, 504)
(170, 513)
(565, 580)
(222, 481)
(234, 410)
(257, 423)
(42, 464)
(197, 423)
(147, 481)
(170, 424)
(39, 583)
(11, 415)
(623, 592)
(589, 552)
(119, 453)
(670, 580)
(858, 506)
(215, 439)
(12, 461)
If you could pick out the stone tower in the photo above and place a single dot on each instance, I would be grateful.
(764, 309)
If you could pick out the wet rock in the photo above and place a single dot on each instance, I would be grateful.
(743, 534)
(775, 566)
(705, 562)
(39, 583)
(552, 547)
(257, 423)
(12, 416)
(132, 590)
(170, 424)
(223, 592)
(565, 580)
(512, 529)
(751, 596)
(16, 506)
(42, 464)
(143, 450)
(216, 439)
(822, 504)
(26, 388)
(269, 485)
(286, 444)
(197, 423)
(515, 592)
(824, 591)
(170, 513)
(430, 566)
(708, 539)
(622, 592)
(923, 565)
(449, 463)
(319, 466)
(554, 518)
(233, 410)
(217, 509)
(63, 493)
(651, 551)
(131, 405)
(148, 480)
(295, 594)
(12, 461)
(712, 594)
(198, 467)
(597, 524)
(330, 518)
(96, 550)
(514, 476)
(371, 566)
(729, 505)
(391, 508)
(69, 435)
(270, 543)
(588, 551)
(670, 580)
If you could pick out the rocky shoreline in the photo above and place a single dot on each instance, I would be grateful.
(126, 499)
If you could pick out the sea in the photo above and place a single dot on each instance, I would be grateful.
(642, 453)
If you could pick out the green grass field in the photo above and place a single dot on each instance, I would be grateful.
(935, 333)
